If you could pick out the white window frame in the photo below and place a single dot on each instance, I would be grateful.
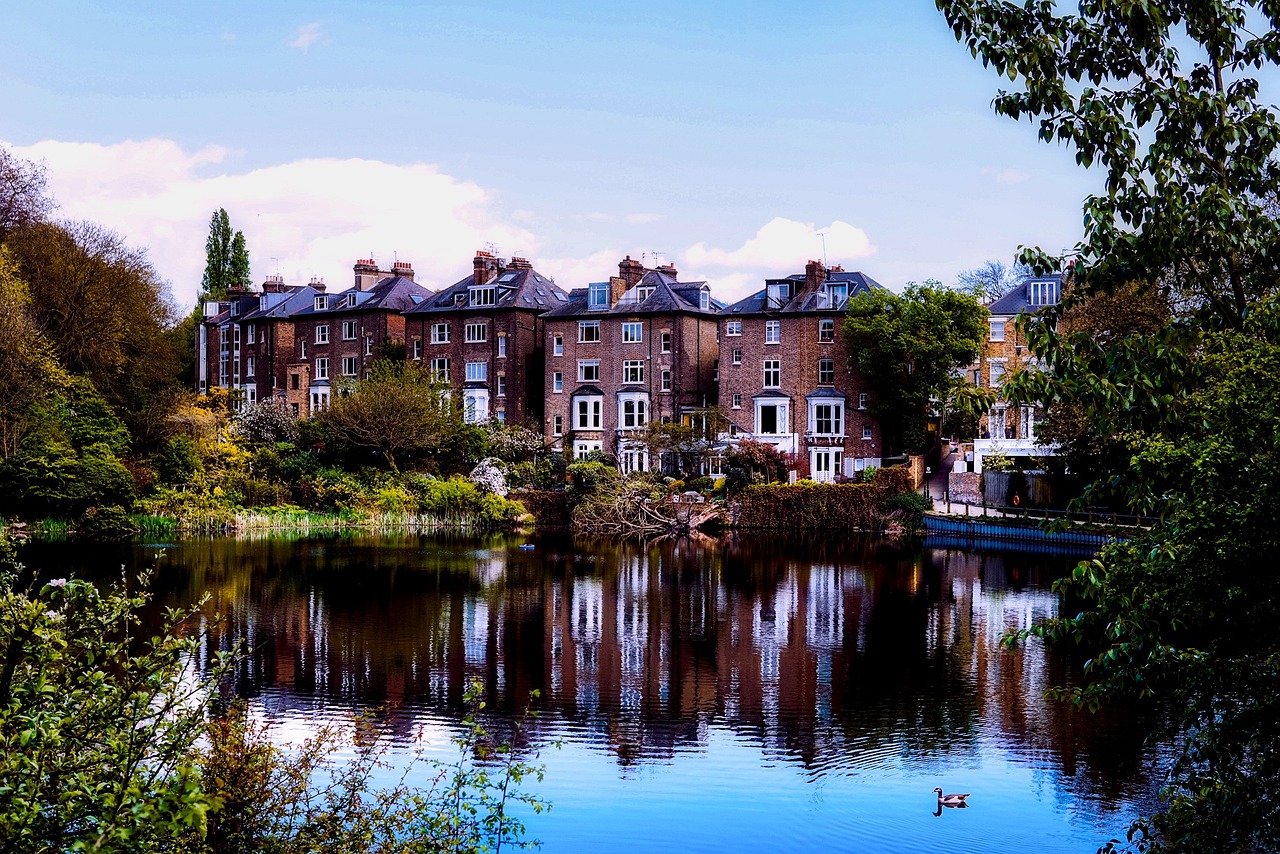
(588, 364)
(633, 332)
(557, 345)
(440, 369)
(585, 326)
(557, 382)
(481, 297)
(633, 411)
(322, 333)
(773, 332)
(590, 416)
(633, 372)
(597, 296)
(995, 379)
(475, 405)
(477, 372)
(476, 333)
(737, 355)
(774, 367)
(826, 330)
(831, 371)
(440, 333)
(997, 329)
(320, 368)
(350, 366)
(349, 330)
(664, 342)
(866, 432)
(782, 413)
(501, 385)
(834, 418)
(557, 425)
(733, 327)
(862, 400)
(502, 346)
(736, 400)
(666, 379)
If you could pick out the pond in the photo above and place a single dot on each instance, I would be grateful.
(741, 695)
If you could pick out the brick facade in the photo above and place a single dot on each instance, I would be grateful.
(488, 330)
(785, 376)
(636, 349)
(1005, 353)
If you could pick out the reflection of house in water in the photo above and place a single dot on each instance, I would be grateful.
(847, 657)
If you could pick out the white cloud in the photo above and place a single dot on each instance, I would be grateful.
(307, 35)
(780, 247)
(315, 217)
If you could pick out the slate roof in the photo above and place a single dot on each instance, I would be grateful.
(283, 304)
(668, 296)
(518, 288)
(1018, 300)
(390, 293)
(802, 300)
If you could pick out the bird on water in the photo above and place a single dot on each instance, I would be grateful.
(951, 800)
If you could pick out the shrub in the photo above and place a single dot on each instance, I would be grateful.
(110, 524)
(488, 476)
(178, 460)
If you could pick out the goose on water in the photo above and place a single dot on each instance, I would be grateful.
(951, 800)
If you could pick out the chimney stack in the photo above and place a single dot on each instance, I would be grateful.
(814, 275)
(367, 274)
(317, 284)
(484, 267)
(630, 271)
(273, 285)
(402, 268)
(669, 270)
(519, 264)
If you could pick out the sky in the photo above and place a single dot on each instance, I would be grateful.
(734, 140)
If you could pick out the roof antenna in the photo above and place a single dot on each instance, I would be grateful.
(276, 261)
(493, 248)
(656, 255)
(822, 235)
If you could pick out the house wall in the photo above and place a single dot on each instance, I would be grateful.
(1013, 354)
(799, 351)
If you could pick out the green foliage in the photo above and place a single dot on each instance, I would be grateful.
(226, 258)
(812, 507)
(755, 460)
(108, 524)
(267, 422)
(1179, 416)
(588, 476)
(907, 348)
(178, 461)
(56, 480)
(97, 727)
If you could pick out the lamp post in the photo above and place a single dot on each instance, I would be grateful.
(927, 471)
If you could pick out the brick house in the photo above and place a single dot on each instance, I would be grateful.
(1005, 352)
(484, 335)
(785, 376)
(637, 348)
(339, 336)
(245, 342)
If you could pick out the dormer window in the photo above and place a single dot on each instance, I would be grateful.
(480, 297)
(351, 300)
(838, 292)
(704, 299)
(322, 303)
(1043, 293)
(643, 293)
(777, 294)
(459, 299)
(235, 308)
(598, 296)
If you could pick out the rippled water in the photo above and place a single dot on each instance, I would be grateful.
(749, 695)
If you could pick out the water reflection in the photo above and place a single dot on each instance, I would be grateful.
(835, 658)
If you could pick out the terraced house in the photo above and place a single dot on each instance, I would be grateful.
(339, 336)
(621, 353)
(1006, 352)
(785, 376)
(484, 335)
(245, 342)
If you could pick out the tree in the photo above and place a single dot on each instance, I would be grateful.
(908, 349)
(399, 410)
(1162, 96)
(29, 372)
(226, 258)
(992, 280)
(23, 201)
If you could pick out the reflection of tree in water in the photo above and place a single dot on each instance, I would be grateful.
(831, 655)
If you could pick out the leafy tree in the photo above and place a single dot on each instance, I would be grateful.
(226, 258)
(908, 349)
(399, 410)
(1162, 97)
(29, 371)
(97, 727)
(992, 280)
(23, 199)
(266, 422)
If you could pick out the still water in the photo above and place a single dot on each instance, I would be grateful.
(735, 696)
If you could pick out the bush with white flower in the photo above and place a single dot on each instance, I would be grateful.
(488, 476)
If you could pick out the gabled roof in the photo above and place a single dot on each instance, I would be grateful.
(667, 296)
(390, 293)
(517, 288)
(1018, 300)
(803, 300)
(283, 303)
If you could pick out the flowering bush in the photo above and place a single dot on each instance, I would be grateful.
(488, 477)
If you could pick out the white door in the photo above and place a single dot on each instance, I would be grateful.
(824, 464)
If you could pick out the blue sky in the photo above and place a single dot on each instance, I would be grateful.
(723, 136)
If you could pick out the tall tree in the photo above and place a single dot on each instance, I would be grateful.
(1163, 96)
(992, 280)
(399, 411)
(226, 258)
(909, 348)
(23, 198)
